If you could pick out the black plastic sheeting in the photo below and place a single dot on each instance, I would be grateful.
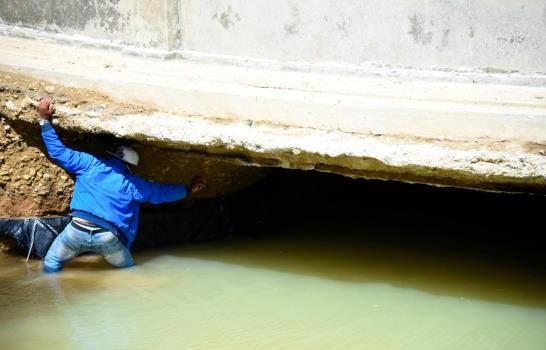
(34, 234)
(198, 221)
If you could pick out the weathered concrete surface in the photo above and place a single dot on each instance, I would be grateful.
(490, 163)
(500, 108)
(507, 35)
(138, 23)
(479, 34)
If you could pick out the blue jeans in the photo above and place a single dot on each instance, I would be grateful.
(73, 242)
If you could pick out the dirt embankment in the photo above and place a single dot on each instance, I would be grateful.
(30, 184)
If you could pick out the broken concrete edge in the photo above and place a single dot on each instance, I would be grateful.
(433, 162)
(484, 75)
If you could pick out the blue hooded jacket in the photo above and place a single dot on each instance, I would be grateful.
(106, 189)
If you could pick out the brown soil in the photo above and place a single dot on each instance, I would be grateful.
(29, 183)
(20, 93)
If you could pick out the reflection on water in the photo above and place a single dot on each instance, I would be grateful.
(315, 287)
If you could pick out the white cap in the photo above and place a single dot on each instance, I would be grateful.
(127, 154)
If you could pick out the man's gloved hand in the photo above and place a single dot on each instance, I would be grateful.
(197, 184)
(45, 109)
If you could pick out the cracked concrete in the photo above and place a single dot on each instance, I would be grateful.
(487, 163)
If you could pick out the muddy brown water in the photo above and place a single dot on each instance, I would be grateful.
(310, 288)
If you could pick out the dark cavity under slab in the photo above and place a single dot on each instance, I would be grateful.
(506, 228)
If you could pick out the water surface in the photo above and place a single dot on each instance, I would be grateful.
(313, 287)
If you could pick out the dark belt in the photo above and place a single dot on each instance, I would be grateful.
(85, 229)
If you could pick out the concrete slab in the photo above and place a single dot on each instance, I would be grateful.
(443, 130)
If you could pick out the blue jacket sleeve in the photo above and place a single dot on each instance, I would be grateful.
(70, 160)
(156, 193)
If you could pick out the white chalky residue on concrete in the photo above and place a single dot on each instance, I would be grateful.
(274, 139)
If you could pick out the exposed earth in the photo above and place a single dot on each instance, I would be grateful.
(32, 185)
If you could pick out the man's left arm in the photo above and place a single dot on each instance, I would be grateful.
(157, 193)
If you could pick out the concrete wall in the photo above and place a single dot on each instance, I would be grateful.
(141, 23)
(492, 35)
(506, 34)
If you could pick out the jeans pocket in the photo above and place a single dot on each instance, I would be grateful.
(106, 238)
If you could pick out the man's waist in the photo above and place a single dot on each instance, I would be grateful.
(90, 219)
(95, 220)
(85, 222)
(86, 226)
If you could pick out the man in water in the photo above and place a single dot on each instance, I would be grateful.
(106, 202)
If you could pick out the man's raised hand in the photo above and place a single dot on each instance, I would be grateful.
(197, 184)
(45, 109)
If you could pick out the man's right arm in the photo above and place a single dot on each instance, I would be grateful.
(70, 160)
